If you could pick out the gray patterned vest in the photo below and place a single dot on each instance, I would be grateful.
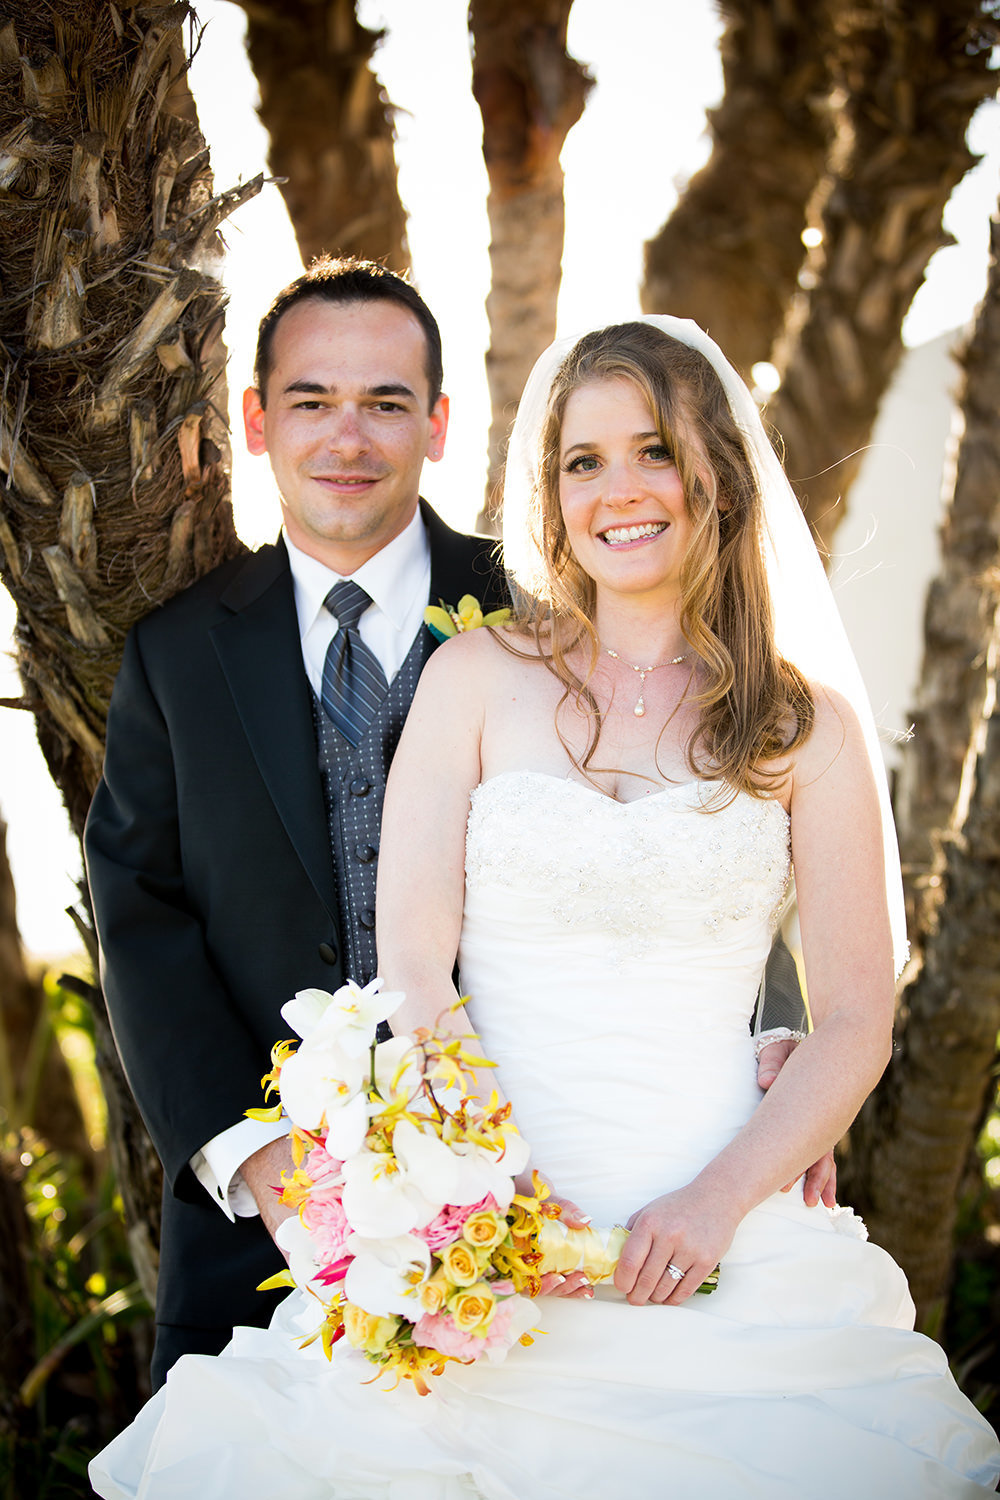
(354, 791)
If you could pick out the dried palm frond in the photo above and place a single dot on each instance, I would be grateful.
(114, 490)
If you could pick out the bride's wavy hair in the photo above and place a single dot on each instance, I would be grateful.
(753, 705)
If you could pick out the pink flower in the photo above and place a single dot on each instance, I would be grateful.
(446, 1226)
(438, 1331)
(325, 1170)
(322, 1212)
(499, 1335)
(327, 1223)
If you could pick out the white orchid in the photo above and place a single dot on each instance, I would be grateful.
(296, 1240)
(349, 1017)
(384, 1274)
(325, 1079)
(390, 1194)
(397, 1070)
(321, 1080)
(487, 1164)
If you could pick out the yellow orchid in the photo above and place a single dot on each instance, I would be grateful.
(295, 1187)
(413, 1362)
(445, 620)
(280, 1053)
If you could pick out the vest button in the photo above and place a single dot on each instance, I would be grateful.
(367, 920)
(360, 787)
(328, 953)
(365, 853)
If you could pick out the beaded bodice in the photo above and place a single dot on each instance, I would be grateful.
(629, 869)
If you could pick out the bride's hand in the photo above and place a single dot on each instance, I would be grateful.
(685, 1231)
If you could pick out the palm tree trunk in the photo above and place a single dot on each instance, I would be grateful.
(530, 93)
(112, 443)
(731, 251)
(912, 76)
(909, 1148)
(331, 128)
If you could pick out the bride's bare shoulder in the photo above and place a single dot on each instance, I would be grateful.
(483, 658)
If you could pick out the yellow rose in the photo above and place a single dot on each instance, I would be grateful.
(433, 1294)
(484, 1229)
(472, 1309)
(367, 1332)
(460, 1264)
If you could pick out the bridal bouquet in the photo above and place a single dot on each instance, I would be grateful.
(409, 1232)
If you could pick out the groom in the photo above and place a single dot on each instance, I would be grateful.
(233, 840)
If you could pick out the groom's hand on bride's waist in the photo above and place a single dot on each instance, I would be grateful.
(820, 1181)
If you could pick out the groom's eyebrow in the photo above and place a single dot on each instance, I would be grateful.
(316, 388)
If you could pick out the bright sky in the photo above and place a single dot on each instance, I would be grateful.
(642, 133)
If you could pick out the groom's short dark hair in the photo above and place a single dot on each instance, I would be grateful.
(347, 279)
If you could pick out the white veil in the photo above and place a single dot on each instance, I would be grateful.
(808, 629)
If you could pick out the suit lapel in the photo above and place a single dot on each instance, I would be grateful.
(260, 654)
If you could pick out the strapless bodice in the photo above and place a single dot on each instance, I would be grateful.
(613, 953)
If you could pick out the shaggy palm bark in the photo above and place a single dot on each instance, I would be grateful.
(530, 93)
(912, 76)
(730, 254)
(330, 125)
(909, 1148)
(114, 491)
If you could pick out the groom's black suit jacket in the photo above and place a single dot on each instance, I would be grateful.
(212, 878)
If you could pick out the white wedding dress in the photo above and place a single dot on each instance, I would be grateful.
(613, 954)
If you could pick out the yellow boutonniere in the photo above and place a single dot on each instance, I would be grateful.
(443, 620)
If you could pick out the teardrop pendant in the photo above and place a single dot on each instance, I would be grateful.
(643, 672)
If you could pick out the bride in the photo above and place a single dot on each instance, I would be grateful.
(598, 809)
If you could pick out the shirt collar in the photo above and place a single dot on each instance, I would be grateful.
(391, 577)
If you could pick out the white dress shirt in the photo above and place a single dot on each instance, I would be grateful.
(398, 579)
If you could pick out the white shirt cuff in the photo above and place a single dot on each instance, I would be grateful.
(217, 1164)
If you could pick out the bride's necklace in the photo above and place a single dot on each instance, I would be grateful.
(640, 707)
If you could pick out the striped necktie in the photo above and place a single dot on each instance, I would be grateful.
(353, 681)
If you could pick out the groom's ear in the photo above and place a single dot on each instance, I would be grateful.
(439, 429)
(253, 421)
